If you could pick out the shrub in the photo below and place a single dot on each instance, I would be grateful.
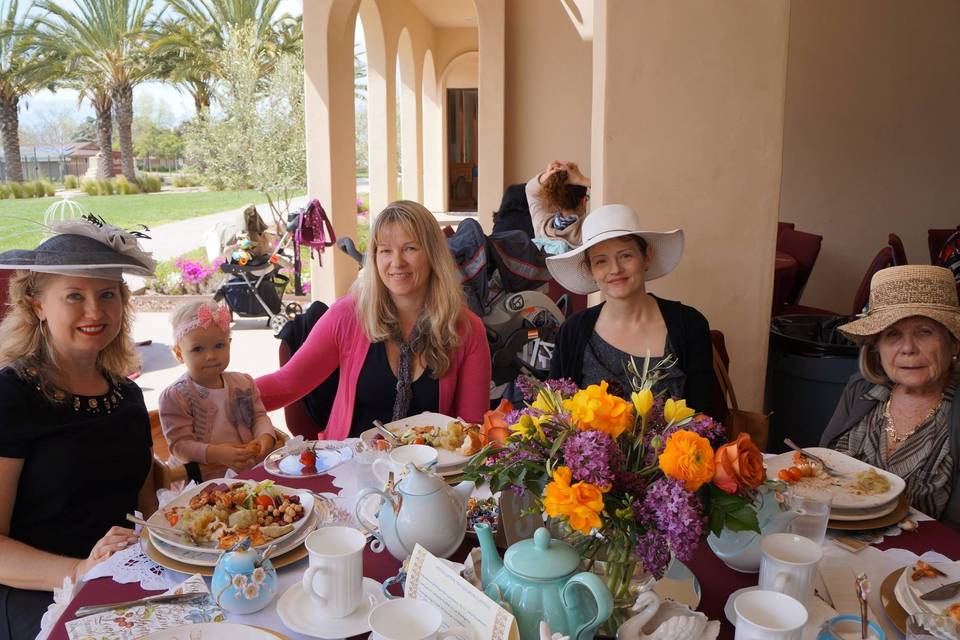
(90, 187)
(216, 184)
(105, 187)
(125, 187)
(4, 192)
(71, 182)
(150, 184)
(47, 187)
(30, 189)
(17, 190)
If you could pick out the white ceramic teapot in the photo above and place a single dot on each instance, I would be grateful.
(421, 509)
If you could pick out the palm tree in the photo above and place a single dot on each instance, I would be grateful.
(105, 43)
(24, 68)
(190, 43)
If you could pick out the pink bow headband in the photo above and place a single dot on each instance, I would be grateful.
(207, 316)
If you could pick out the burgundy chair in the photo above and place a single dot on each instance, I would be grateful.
(784, 225)
(899, 253)
(804, 247)
(936, 238)
(882, 260)
(720, 344)
(299, 422)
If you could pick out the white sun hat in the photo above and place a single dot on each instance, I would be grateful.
(614, 221)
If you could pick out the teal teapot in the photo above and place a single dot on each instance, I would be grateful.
(538, 579)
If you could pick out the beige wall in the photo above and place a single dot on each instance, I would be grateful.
(548, 85)
(687, 128)
(871, 132)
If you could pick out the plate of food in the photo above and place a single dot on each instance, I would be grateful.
(455, 441)
(483, 511)
(311, 459)
(857, 488)
(219, 513)
(922, 578)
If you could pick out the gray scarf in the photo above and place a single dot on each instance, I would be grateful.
(408, 350)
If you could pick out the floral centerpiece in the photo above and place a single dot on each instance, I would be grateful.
(630, 482)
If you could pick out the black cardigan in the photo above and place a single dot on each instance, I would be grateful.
(689, 334)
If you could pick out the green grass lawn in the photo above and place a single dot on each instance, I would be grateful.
(20, 220)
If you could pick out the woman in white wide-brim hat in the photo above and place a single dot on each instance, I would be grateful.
(618, 257)
(899, 413)
(75, 439)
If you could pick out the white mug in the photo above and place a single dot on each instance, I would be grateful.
(334, 578)
(789, 564)
(768, 615)
(409, 619)
(420, 455)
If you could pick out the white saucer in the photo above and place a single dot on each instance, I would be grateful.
(298, 612)
(818, 612)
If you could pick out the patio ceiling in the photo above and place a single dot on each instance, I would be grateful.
(448, 13)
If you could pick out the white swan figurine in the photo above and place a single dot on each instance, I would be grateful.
(666, 620)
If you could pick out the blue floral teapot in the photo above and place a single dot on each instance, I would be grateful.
(243, 582)
(539, 579)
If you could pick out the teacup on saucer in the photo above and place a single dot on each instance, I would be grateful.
(298, 613)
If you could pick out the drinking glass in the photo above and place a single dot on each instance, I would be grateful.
(814, 512)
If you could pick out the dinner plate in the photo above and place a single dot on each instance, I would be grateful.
(214, 631)
(330, 454)
(888, 599)
(205, 559)
(445, 458)
(843, 498)
(908, 591)
(183, 500)
(146, 545)
(855, 515)
(901, 511)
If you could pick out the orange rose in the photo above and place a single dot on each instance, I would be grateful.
(739, 465)
(584, 519)
(495, 427)
(594, 408)
(688, 457)
(558, 500)
(588, 495)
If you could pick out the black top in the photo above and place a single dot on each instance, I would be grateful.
(603, 361)
(379, 390)
(83, 469)
(688, 333)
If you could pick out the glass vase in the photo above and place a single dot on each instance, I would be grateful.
(618, 565)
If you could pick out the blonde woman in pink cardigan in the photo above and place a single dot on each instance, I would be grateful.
(403, 338)
(209, 415)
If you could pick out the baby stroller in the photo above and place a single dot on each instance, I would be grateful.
(256, 286)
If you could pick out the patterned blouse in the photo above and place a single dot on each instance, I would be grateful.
(603, 361)
(923, 460)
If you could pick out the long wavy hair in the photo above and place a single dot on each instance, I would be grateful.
(445, 304)
(559, 195)
(24, 345)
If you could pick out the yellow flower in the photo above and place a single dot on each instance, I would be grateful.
(529, 427)
(642, 401)
(588, 495)
(542, 402)
(562, 475)
(676, 412)
(558, 500)
(584, 519)
(594, 408)
(688, 457)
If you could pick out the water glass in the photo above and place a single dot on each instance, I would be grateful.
(364, 467)
(814, 513)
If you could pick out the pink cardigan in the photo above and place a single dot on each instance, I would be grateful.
(338, 340)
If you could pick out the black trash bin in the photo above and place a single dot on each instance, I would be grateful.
(808, 366)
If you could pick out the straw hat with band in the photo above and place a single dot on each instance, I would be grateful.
(86, 247)
(903, 292)
(605, 223)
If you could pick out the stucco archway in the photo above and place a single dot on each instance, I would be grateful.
(383, 173)
(409, 90)
(432, 137)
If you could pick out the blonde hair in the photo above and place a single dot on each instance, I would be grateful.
(445, 304)
(871, 367)
(187, 312)
(23, 341)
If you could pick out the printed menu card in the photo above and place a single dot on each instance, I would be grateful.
(462, 604)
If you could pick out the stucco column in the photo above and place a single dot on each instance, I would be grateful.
(331, 161)
(381, 108)
(492, 39)
(687, 128)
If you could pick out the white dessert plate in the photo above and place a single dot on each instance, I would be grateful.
(298, 612)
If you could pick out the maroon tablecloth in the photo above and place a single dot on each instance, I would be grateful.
(717, 581)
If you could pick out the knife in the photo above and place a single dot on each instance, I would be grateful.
(942, 593)
(182, 598)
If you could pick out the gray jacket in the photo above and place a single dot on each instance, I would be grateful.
(854, 405)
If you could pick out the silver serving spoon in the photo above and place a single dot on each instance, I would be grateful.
(388, 435)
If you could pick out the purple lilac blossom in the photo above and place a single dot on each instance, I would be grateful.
(654, 552)
(675, 512)
(593, 457)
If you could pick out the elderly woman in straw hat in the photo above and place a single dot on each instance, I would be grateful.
(899, 413)
(618, 258)
(75, 441)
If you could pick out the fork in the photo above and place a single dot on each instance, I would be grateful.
(827, 468)
(159, 527)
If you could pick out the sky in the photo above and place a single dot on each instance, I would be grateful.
(36, 107)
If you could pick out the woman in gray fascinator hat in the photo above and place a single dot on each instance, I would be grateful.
(75, 441)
